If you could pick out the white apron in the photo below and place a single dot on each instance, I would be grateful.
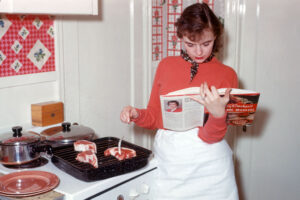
(190, 169)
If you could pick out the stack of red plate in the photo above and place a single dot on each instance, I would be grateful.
(27, 183)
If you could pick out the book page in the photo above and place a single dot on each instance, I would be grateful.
(181, 113)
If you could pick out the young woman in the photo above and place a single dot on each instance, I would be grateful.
(195, 164)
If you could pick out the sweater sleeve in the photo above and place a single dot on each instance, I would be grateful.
(149, 118)
(215, 129)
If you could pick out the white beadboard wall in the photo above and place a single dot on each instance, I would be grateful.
(105, 67)
(16, 100)
(265, 50)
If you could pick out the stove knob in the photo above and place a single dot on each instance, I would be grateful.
(145, 188)
(133, 194)
(120, 197)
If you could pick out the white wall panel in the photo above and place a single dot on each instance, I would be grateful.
(268, 153)
(104, 67)
(15, 106)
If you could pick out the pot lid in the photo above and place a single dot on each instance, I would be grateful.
(68, 133)
(17, 137)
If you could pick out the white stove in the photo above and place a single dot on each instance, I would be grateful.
(135, 185)
(131, 186)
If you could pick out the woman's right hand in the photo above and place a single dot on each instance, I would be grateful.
(128, 113)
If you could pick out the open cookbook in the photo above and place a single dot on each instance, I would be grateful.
(180, 112)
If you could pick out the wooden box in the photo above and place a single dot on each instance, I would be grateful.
(47, 113)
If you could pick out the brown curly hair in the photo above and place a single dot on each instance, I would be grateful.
(195, 19)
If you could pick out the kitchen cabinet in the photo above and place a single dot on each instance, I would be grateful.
(80, 7)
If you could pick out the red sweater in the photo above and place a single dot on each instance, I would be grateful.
(173, 73)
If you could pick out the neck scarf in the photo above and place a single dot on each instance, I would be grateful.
(194, 67)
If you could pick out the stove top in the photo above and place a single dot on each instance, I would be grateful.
(84, 190)
(80, 189)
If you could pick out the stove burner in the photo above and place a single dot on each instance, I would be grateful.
(36, 163)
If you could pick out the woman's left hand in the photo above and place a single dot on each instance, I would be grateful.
(210, 98)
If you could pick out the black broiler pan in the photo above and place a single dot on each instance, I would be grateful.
(64, 158)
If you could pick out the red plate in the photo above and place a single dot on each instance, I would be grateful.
(27, 183)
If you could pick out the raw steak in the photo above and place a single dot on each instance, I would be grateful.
(125, 153)
(88, 157)
(84, 145)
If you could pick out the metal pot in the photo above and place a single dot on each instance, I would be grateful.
(66, 134)
(19, 147)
